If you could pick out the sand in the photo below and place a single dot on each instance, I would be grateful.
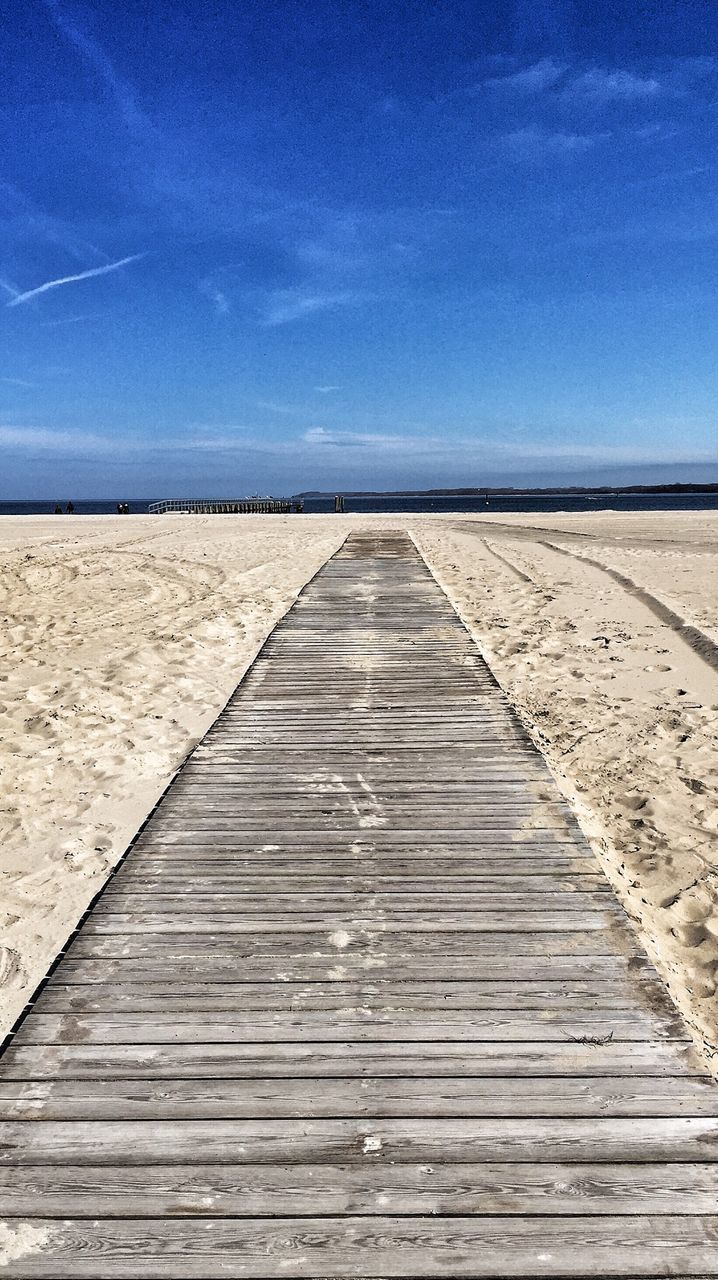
(123, 637)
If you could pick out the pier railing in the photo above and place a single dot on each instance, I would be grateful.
(230, 506)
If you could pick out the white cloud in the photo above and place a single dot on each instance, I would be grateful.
(614, 85)
(327, 390)
(215, 295)
(477, 449)
(533, 142)
(94, 55)
(23, 219)
(277, 406)
(284, 305)
(213, 442)
(352, 450)
(52, 324)
(605, 83)
(356, 439)
(46, 441)
(541, 75)
(81, 275)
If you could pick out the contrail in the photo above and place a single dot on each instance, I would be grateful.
(82, 275)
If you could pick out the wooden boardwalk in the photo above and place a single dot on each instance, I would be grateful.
(359, 1002)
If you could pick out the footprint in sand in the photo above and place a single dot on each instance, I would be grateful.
(634, 802)
(11, 967)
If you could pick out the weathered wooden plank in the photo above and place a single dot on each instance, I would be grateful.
(464, 1247)
(362, 1022)
(198, 1190)
(424, 752)
(454, 811)
(357, 902)
(372, 947)
(383, 768)
(201, 827)
(519, 786)
(433, 732)
(350, 1141)
(239, 720)
(308, 795)
(386, 781)
(472, 840)
(197, 783)
(219, 968)
(138, 885)
(424, 735)
(361, 856)
(328, 922)
(603, 993)
(318, 1059)
(204, 1098)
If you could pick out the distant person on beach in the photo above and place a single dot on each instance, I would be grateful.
(58, 509)
(70, 508)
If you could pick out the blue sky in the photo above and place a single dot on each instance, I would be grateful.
(291, 244)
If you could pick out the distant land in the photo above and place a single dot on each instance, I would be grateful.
(509, 491)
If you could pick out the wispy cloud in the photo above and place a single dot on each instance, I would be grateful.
(606, 84)
(532, 79)
(532, 142)
(277, 406)
(94, 55)
(327, 390)
(356, 454)
(23, 220)
(17, 382)
(52, 324)
(614, 85)
(213, 443)
(482, 448)
(285, 305)
(219, 299)
(80, 275)
(60, 442)
(339, 439)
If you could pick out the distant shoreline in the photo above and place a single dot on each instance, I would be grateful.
(509, 492)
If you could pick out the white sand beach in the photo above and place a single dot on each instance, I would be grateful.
(122, 639)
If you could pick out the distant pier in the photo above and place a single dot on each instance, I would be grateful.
(227, 507)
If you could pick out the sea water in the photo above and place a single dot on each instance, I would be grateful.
(414, 503)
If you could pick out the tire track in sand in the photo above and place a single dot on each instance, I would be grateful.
(508, 564)
(697, 640)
